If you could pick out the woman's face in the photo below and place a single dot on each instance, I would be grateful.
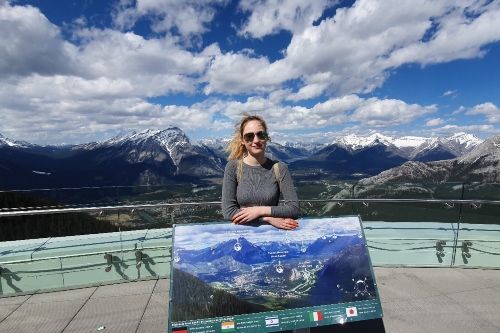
(256, 145)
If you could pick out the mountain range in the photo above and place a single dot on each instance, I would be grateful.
(159, 157)
(478, 165)
(354, 157)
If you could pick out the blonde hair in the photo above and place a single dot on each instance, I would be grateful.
(235, 148)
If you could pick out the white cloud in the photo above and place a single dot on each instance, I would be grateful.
(361, 43)
(449, 92)
(31, 44)
(434, 122)
(389, 112)
(461, 109)
(335, 111)
(491, 111)
(271, 16)
(102, 79)
(451, 129)
(235, 73)
(187, 17)
(308, 91)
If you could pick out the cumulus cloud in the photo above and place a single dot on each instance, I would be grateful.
(187, 17)
(335, 111)
(360, 44)
(490, 110)
(112, 78)
(32, 45)
(235, 73)
(272, 16)
(381, 113)
(434, 122)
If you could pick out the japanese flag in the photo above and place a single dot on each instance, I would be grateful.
(351, 312)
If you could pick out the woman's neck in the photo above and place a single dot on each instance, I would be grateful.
(255, 160)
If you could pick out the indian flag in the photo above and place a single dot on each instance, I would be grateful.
(316, 316)
(227, 326)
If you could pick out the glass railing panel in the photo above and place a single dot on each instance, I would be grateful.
(407, 190)
(153, 194)
(385, 211)
(397, 210)
(36, 226)
(16, 265)
(478, 245)
(194, 214)
(74, 197)
(410, 244)
(330, 208)
(156, 255)
(83, 258)
(63, 262)
(20, 250)
(478, 212)
(407, 212)
(321, 189)
(481, 191)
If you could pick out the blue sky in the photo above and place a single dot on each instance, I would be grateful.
(81, 71)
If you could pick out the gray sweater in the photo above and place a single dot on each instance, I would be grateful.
(258, 186)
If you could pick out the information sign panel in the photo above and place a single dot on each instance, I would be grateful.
(256, 278)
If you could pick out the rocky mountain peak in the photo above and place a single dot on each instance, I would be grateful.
(479, 165)
(6, 142)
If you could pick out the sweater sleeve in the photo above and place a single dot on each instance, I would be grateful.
(230, 204)
(291, 208)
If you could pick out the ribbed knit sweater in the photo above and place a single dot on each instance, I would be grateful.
(258, 186)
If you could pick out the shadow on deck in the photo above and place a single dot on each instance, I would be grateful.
(416, 300)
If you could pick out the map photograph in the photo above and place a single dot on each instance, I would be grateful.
(222, 269)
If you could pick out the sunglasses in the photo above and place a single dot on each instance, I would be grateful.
(262, 135)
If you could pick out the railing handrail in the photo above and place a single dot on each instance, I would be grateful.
(22, 211)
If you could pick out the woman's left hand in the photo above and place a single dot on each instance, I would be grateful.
(247, 214)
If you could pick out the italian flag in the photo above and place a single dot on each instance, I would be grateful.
(227, 326)
(316, 316)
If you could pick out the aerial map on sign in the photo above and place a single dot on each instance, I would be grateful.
(256, 278)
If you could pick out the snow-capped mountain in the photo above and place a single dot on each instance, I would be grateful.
(169, 149)
(479, 165)
(444, 148)
(218, 146)
(308, 148)
(152, 157)
(165, 156)
(413, 147)
(353, 156)
(5, 142)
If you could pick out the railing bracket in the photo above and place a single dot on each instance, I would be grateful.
(465, 249)
(440, 248)
(109, 261)
(138, 259)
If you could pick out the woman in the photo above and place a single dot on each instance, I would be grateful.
(252, 183)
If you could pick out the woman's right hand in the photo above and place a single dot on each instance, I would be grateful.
(282, 223)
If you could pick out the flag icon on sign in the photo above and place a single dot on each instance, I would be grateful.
(180, 330)
(272, 321)
(351, 312)
(227, 326)
(316, 316)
